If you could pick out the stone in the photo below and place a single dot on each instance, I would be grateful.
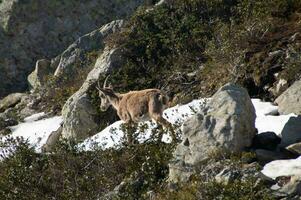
(10, 101)
(78, 112)
(279, 86)
(290, 100)
(291, 132)
(293, 187)
(266, 140)
(78, 116)
(227, 176)
(294, 148)
(39, 76)
(77, 52)
(227, 124)
(264, 156)
(52, 140)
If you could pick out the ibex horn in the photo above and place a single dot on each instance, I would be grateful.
(104, 84)
(98, 87)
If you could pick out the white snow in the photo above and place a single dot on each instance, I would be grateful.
(266, 120)
(113, 135)
(35, 132)
(278, 168)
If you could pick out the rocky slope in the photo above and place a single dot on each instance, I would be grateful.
(32, 30)
(189, 50)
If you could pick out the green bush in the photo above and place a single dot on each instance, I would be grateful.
(70, 173)
(192, 47)
(162, 45)
(212, 190)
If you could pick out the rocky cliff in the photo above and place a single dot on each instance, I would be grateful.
(38, 29)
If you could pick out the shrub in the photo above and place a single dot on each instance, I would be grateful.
(70, 173)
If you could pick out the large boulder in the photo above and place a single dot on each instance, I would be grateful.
(77, 52)
(290, 100)
(266, 140)
(79, 113)
(228, 124)
(35, 29)
(291, 132)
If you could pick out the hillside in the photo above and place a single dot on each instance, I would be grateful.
(231, 70)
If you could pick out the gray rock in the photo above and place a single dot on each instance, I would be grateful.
(280, 86)
(26, 112)
(228, 124)
(77, 51)
(52, 140)
(291, 132)
(293, 187)
(295, 148)
(290, 100)
(264, 156)
(35, 29)
(227, 176)
(266, 140)
(10, 101)
(79, 117)
(78, 112)
(38, 77)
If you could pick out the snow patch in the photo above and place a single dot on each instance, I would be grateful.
(279, 168)
(36, 132)
(113, 135)
(266, 119)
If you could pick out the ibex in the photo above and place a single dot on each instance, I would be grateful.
(135, 106)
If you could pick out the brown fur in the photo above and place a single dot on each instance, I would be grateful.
(136, 106)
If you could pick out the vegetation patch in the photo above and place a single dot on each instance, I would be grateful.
(190, 48)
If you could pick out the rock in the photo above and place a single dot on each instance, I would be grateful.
(280, 86)
(227, 176)
(293, 187)
(79, 117)
(266, 140)
(74, 63)
(228, 124)
(38, 77)
(266, 180)
(77, 52)
(291, 132)
(290, 100)
(264, 156)
(26, 112)
(295, 148)
(52, 140)
(10, 101)
(34, 29)
(78, 112)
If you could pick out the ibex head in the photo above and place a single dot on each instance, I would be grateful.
(105, 93)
